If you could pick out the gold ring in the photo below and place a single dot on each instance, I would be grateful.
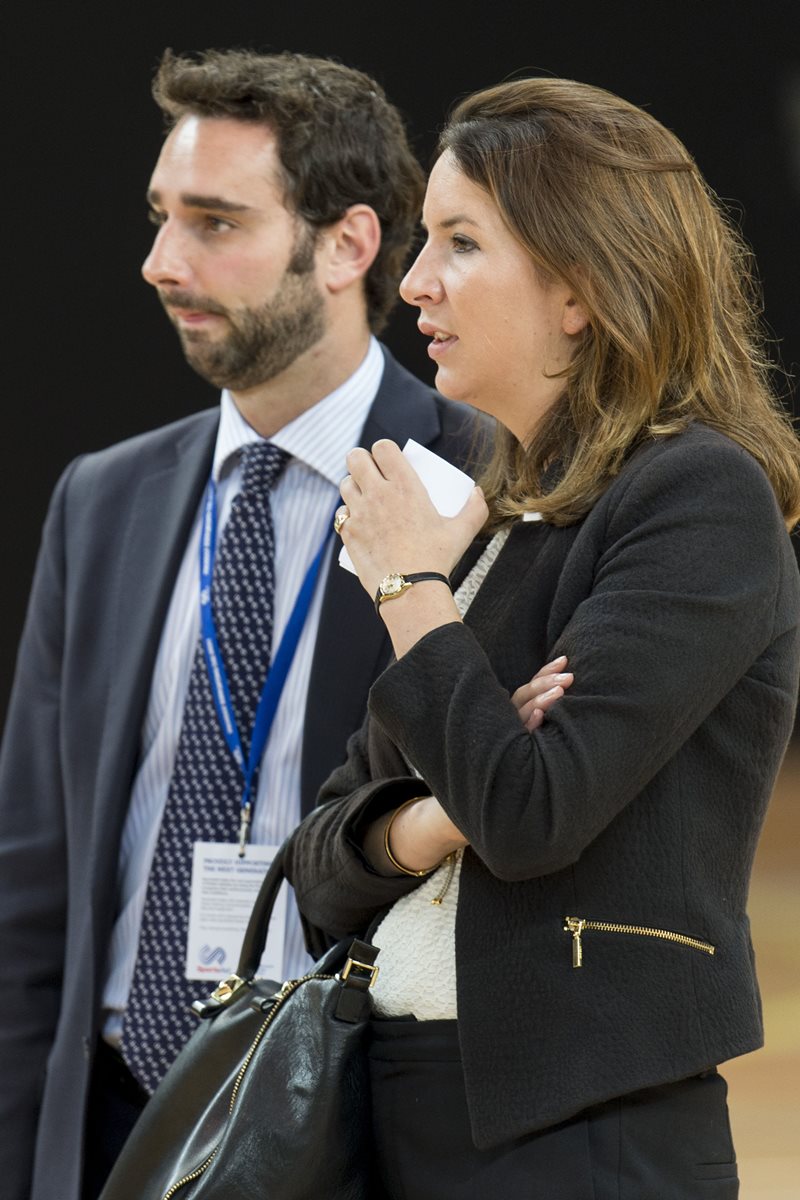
(341, 516)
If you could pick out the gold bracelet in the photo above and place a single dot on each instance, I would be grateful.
(387, 831)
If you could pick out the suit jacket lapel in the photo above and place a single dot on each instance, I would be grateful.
(151, 545)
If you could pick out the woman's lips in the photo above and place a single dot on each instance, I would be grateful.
(441, 340)
(440, 345)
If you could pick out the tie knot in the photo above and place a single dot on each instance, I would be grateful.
(262, 463)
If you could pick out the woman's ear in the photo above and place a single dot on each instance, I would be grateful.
(574, 318)
(350, 247)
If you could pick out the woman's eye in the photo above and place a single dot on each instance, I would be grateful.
(155, 218)
(462, 244)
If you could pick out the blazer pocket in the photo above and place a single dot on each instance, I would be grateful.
(723, 1170)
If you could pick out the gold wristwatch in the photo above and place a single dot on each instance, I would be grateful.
(394, 584)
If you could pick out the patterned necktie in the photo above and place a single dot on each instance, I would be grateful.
(203, 804)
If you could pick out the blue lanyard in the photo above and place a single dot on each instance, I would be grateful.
(279, 667)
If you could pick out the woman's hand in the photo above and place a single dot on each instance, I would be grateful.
(393, 526)
(548, 685)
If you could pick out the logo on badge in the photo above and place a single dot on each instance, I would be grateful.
(209, 955)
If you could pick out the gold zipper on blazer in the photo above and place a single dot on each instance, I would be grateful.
(290, 986)
(577, 926)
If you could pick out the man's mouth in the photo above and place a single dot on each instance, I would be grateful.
(188, 309)
(191, 316)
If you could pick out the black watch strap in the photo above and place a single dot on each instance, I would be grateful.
(396, 583)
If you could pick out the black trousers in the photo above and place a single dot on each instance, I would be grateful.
(115, 1101)
(665, 1143)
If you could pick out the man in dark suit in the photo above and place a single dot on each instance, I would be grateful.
(285, 197)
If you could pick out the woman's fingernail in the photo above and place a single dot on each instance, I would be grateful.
(549, 667)
(561, 678)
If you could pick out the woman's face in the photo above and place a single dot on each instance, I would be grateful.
(498, 331)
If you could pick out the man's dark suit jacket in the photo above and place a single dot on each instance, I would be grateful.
(113, 541)
(638, 802)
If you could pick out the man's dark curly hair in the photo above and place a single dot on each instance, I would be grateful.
(340, 142)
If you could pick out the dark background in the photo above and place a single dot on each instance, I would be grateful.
(92, 357)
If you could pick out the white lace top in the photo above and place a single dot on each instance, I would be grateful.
(417, 936)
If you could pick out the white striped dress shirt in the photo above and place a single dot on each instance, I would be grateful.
(303, 502)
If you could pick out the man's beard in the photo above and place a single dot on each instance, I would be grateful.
(260, 342)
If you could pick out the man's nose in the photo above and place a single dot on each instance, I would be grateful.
(167, 263)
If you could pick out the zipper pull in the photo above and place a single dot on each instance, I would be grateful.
(575, 926)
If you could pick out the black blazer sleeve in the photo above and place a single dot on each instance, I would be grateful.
(685, 583)
(669, 594)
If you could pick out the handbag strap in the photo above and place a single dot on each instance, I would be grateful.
(356, 976)
(255, 936)
(359, 970)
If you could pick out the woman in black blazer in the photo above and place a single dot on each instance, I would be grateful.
(565, 951)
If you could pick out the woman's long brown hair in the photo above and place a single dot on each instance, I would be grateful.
(605, 198)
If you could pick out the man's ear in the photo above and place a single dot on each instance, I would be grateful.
(574, 318)
(349, 247)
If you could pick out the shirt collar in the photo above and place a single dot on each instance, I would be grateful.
(319, 437)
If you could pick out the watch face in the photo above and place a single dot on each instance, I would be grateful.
(392, 584)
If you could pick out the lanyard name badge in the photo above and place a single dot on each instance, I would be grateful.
(224, 881)
(278, 670)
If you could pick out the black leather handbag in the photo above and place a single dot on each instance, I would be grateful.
(269, 1098)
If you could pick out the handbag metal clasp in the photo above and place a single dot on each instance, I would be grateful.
(226, 988)
(222, 995)
(353, 963)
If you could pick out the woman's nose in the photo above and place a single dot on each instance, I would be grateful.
(421, 284)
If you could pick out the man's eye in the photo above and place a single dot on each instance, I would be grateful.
(217, 224)
(462, 244)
